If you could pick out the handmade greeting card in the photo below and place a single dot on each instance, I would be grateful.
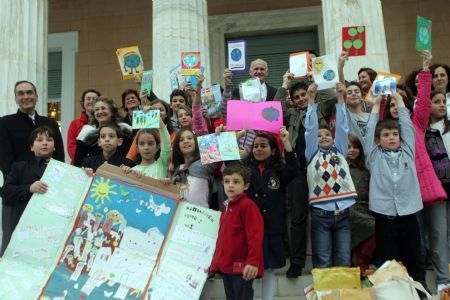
(130, 61)
(237, 56)
(423, 36)
(325, 71)
(190, 63)
(251, 90)
(149, 119)
(211, 99)
(299, 64)
(218, 147)
(266, 116)
(146, 81)
(354, 40)
(381, 76)
(178, 81)
(384, 86)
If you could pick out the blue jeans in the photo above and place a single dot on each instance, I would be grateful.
(330, 238)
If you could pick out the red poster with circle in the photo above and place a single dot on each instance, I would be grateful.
(354, 40)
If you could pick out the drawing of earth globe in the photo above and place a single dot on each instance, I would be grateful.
(236, 54)
(424, 35)
(329, 75)
(190, 61)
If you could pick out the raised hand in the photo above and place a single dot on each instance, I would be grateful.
(426, 59)
(312, 91)
(227, 76)
(287, 79)
(343, 57)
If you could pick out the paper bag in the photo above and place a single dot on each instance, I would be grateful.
(336, 278)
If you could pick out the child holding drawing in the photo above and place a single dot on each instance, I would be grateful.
(24, 180)
(238, 255)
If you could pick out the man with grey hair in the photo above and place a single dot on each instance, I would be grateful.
(259, 69)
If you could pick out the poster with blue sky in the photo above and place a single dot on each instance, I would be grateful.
(114, 244)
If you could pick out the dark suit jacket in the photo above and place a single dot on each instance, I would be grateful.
(15, 131)
(96, 161)
(271, 92)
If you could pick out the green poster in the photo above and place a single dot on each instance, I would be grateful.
(423, 37)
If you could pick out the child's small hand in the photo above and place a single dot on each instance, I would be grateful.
(227, 76)
(377, 99)
(137, 173)
(89, 172)
(220, 128)
(243, 153)
(137, 79)
(287, 79)
(200, 79)
(240, 134)
(312, 90)
(125, 169)
(284, 134)
(39, 187)
(340, 89)
(343, 57)
(167, 181)
(426, 59)
(250, 272)
(147, 108)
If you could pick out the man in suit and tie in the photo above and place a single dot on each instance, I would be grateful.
(259, 69)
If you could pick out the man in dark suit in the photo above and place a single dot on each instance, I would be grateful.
(15, 129)
(259, 69)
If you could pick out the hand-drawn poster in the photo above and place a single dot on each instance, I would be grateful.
(179, 81)
(354, 40)
(40, 235)
(380, 76)
(130, 61)
(266, 116)
(218, 147)
(114, 244)
(299, 64)
(149, 119)
(188, 252)
(251, 90)
(190, 63)
(325, 72)
(237, 56)
(423, 36)
(211, 99)
(384, 86)
(146, 81)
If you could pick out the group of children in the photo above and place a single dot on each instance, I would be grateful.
(361, 181)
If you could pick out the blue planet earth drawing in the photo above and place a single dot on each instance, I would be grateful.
(329, 75)
(190, 61)
(236, 54)
(270, 114)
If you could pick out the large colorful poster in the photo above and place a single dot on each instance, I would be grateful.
(114, 244)
(188, 252)
(266, 116)
(40, 235)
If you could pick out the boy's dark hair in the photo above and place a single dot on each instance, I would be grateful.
(301, 85)
(41, 130)
(178, 92)
(371, 72)
(386, 124)
(88, 91)
(124, 95)
(24, 81)
(326, 127)
(355, 83)
(237, 168)
(114, 127)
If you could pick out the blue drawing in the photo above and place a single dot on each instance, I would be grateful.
(190, 61)
(270, 114)
(329, 75)
(114, 244)
(236, 54)
(131, 60)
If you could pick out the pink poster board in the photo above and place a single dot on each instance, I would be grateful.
(267, 116)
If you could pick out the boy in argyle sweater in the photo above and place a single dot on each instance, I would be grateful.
(331, 189)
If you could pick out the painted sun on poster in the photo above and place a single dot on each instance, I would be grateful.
(114, 244)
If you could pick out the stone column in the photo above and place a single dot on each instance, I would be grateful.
(23, 54)
(178, 26)
(338, 14)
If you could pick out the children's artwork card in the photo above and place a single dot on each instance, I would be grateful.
(325, 72)
(114, 243)
(384, 86)
(267, 116)
(354, 40)
(299, 64)
(211, 99)
(190, 63)
(149, 119)
(423, 36)
(251, 90)
(218, 147)
(130, 61)
(237, 56)
(380, 77)
(146, 81)
(178, 81)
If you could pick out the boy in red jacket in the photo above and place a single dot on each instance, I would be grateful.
(239, 247)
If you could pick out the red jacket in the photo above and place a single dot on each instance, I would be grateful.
(240, 240)
(72, 133)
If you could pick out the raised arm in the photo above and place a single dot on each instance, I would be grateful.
(407, 133)
(227, 92)
(343, 57)
(312, 129)
(422, 109)
(341, 136)
(369, 142)
(199, 122)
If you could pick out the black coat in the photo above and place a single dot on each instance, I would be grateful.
(15, 131)
(96, 161)
(269, 192)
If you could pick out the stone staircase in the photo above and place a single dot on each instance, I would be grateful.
(292, 289)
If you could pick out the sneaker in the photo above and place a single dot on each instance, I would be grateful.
(294, 271)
